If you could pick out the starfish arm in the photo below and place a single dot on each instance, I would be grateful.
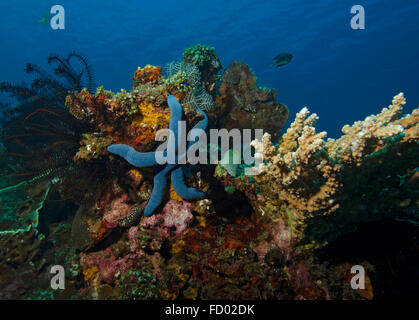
(159, 188)
(178, 182)
(138, 159)
(148, 159)
(201, 125)
(176, 114)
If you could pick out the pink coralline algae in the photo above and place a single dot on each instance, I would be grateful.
(107, 263)
(280, 237)
(176, 214)
(134, 242)
(154, 222)
(300, 275)
(107, 268)
(135, 245)
(118, 209)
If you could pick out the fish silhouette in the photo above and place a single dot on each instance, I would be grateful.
(45, 17)
(282, 59)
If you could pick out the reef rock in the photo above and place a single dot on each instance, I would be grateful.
(245, 105)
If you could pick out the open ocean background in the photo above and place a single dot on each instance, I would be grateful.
(341, 74)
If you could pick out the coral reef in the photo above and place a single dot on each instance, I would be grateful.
(205, 58)
(41, 136)
(177, 214)
(149, 159)
(245, 105)
(317, 188)
(148, 74)
(98, 209)
(20, 205)
(199, 99)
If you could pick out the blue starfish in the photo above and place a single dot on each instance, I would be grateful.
(148, 159)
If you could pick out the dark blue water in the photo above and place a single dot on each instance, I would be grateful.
(341, 74)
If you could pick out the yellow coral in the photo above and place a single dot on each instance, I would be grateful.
(190, 293)
(135, 173)
(173, 195)
(93, 223)
(90, 272)
(177, 246)
(166, 295)
(201, 221)
(183, 277)
(150, 118)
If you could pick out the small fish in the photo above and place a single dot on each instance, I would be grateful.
(45, 17)
(282, 59)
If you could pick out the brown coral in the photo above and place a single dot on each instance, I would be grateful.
(147, 74)
(245, 105)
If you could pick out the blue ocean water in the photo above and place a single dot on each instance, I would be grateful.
(341, 74)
